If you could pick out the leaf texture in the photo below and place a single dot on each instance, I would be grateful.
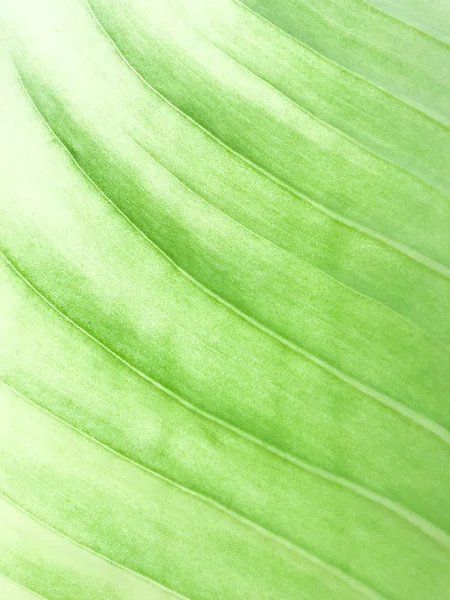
(225, 293)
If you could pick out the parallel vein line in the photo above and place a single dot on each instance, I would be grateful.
(21, 585)
(292, 546)
(88, 549)
(380, 397)
(303, 109)
(254, 233)
(400, 247)
(414, 519)
(327, 124)
(404, 23)
(405, 513)
(442, 122)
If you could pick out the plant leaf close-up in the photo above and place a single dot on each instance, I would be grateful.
(225, 300)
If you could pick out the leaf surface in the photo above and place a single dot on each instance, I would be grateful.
(225, 302)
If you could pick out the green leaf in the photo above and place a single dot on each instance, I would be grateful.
(225, 300)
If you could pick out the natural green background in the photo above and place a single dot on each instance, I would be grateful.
(225, 294)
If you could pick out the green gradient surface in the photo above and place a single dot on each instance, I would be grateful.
(224, 300)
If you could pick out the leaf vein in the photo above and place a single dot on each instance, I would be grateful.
(422, 524)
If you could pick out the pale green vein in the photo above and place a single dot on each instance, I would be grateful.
(24, 587)
(391, 403)
(326, 124)
(160, 251)
(402, 248)
(344, 528)
(251, 232)
(91, 550)
(397, 19)
(400, 510)
(441, 121)
(294, 547)
(419, 522)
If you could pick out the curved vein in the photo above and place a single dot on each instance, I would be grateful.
(251, 231)
(292, 546)
(404, 513)
(326, 124)
(21, 585)
(442, 122)
(402, 248)
(380, 397)
(398, 19)
(91, 550)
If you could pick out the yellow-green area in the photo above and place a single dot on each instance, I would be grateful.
(225, 300)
